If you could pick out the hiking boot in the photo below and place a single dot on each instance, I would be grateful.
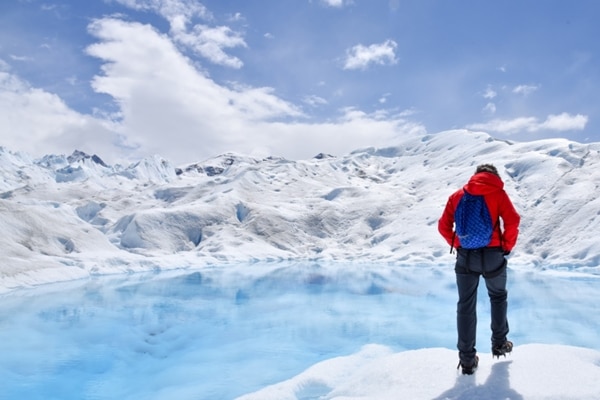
(502, 350)
(468, 369)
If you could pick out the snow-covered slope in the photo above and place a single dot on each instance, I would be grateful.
(65, 217)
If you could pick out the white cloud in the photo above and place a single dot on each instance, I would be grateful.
(353, 130)
(185, 116)
(236, 17)
(210, 42)
(20, 58)
(39, 122)
(207, 41)
(525, 90)
(360, 57)
(167, 106)
(489, 93)
(314, 100)
(490, 108)
(565, 122)
(170, 9)
(182, 110)
(507, 126)
(384, 97)
(560, 122)
(334, 3)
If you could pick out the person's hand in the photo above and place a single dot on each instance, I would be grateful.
(506, 252)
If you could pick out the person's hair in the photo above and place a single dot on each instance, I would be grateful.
(487, 168)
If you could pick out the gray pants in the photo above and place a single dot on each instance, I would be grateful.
(470, 265)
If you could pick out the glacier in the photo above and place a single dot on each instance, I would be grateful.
(74, 216)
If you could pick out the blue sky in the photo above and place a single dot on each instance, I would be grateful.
(193, 79)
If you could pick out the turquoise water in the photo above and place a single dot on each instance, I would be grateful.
(218, 333)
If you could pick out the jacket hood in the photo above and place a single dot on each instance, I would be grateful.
(483, 183)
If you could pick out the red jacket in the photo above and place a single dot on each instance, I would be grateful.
(492, 188)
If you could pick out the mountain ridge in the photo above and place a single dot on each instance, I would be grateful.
(372, 205)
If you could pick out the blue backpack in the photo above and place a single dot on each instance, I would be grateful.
(473, 223)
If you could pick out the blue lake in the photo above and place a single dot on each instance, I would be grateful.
(220, 332)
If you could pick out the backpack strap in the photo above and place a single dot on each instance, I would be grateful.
(454, 233)
(497, 226)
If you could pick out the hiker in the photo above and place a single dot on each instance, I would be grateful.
(478, 256)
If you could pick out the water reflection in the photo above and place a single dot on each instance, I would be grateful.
(222, 332)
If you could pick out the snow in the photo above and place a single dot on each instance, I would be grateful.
(534, 372)
(373, 205)
(68, 218)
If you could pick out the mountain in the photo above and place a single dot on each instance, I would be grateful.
(69, 217)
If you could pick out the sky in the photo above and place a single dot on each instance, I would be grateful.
(189, 80)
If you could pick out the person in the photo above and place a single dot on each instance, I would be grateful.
(489, 261)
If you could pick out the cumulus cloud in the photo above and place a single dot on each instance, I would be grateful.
(210, 43)
(177, 12)
(39, 122)
(207, 41)
(560, 122)
(565, 122)
(353, 129)
(181, 103)
(361, 57)
(169, 8)
(185, 116)
(166, 105)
